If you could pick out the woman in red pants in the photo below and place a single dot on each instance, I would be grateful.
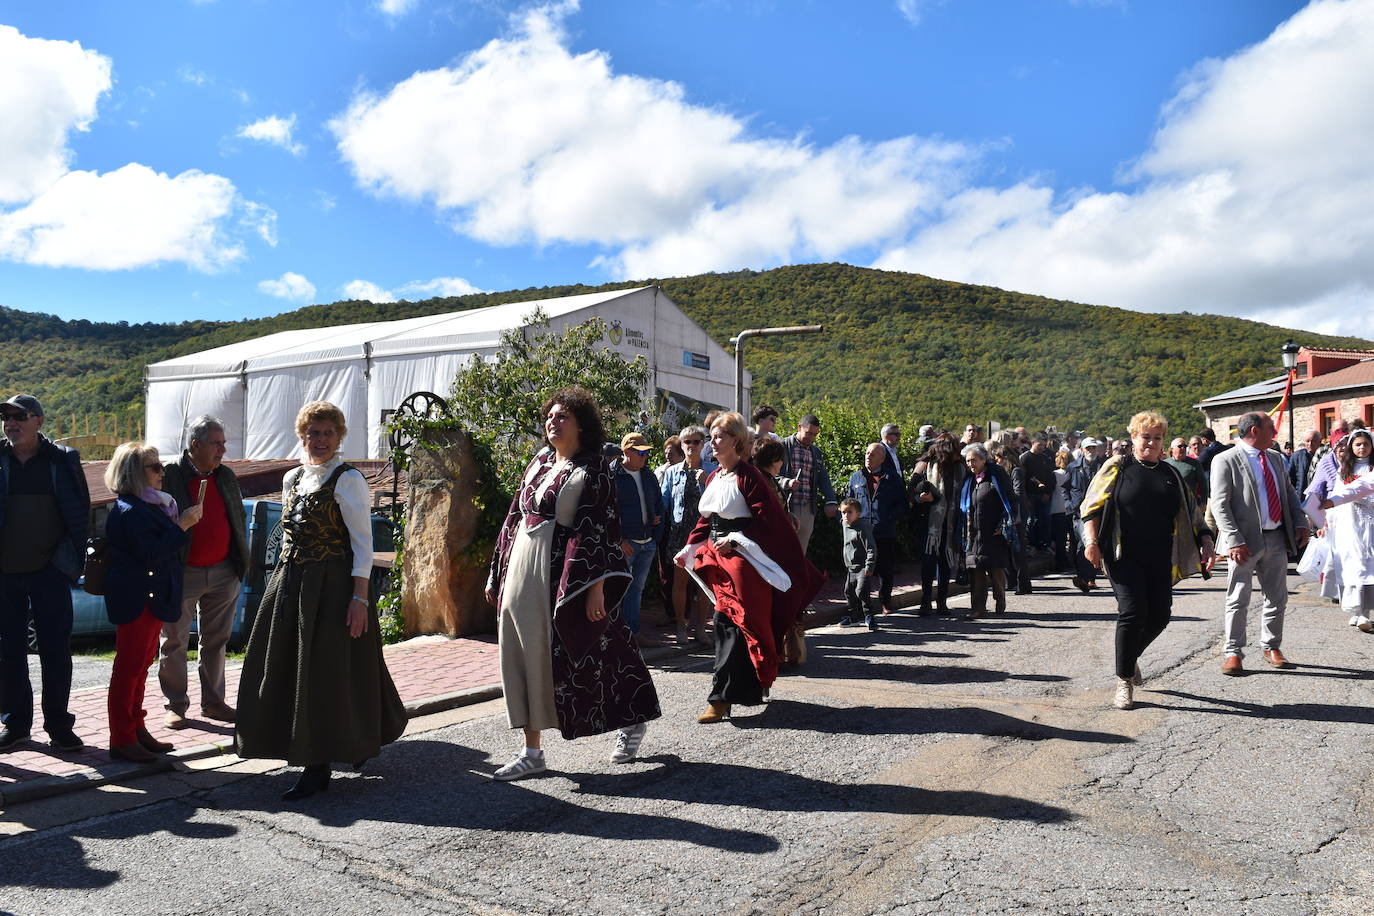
(142, 587)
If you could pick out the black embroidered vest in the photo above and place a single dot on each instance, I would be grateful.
(313, 528)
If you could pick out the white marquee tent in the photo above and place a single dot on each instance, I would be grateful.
(257, 386)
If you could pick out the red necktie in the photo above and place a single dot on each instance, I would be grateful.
(1271, 489)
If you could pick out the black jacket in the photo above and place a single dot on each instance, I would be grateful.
(73, 501)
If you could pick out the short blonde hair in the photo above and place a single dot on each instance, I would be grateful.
(1147, 419)
(320, 412)
(732, 424)
(124, 474)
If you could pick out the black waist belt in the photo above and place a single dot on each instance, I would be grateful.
(720, 527)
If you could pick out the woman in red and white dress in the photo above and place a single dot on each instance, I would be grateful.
(745, 555)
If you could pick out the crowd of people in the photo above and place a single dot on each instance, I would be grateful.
(726, 520)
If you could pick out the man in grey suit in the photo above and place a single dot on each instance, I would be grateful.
(1259, 522)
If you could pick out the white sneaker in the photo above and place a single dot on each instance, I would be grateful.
(520, 766)
(627, 741)
(1123, 698)
(1355, 621)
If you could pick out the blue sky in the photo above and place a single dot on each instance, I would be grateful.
(218, 159)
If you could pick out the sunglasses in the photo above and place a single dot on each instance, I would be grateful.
(155, 466)
(18, 416)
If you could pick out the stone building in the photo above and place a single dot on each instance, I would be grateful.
(1331, 385)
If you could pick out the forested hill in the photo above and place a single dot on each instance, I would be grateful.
(896, 343)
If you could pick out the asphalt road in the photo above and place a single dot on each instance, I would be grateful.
(937, 766)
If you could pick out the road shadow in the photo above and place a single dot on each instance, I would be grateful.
(913, 720)
(736, 786)
(1301, 712)
(429, 783)
(57, 859)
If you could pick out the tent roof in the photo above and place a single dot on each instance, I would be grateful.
(466, 330)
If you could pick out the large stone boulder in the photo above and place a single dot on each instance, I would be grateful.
(443, 575)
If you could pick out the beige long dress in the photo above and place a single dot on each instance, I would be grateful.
(525, 629)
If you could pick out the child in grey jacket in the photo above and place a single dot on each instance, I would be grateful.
(860, 560)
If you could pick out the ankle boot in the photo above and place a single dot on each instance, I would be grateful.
(715, 712)
(150, 743)
(314, 778)
(134, 753)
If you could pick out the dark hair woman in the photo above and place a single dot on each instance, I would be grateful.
(568, 660)
(1350, 531)
(1156, 536)
(146, 535)
(315, 689)
(935, 483)
(745, 554)
(987, 510)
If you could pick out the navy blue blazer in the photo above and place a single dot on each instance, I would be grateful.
(145, 562)
(888, 507)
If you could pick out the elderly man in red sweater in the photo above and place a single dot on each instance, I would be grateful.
(216, 561)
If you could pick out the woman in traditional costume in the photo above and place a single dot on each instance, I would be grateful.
(745, 555)
(1350, 530)
(568, 660)
(315, 688)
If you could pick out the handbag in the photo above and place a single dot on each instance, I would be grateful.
(96, 565)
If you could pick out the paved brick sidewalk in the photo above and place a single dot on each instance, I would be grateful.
(431, 674)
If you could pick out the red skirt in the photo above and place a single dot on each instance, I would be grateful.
(742, 595)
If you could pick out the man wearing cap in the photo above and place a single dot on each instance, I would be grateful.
(44, 518)
(216, 560)
(1188, 469)
(641, 518)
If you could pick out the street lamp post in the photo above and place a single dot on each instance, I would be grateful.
(1290, 365)
(738, 341)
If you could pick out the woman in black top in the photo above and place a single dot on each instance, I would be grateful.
(1155, 534)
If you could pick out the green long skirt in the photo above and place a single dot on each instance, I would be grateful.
(309, 692)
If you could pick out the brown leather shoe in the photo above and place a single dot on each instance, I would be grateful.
(715, 712)
(1232, 666)
(134, 753)
(148, 742)
(1275, 658)
(220, 712)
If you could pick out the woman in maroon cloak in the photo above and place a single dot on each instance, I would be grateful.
(745, 555)
(568, 660)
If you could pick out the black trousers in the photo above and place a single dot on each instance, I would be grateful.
(935, 568)
(887, 568)
(734, 679)
(47, 596)
(1144, 601)
(1019, 577)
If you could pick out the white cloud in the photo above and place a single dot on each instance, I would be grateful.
(47, 90)
(439, 286)
(1255, 197)
(911, 10)
(274, 131)
(131, 217)
(126, 218)
(291, 286)
(193, 76)
(524, 141)
(395, 7)
(367, 291)
(414, 291)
